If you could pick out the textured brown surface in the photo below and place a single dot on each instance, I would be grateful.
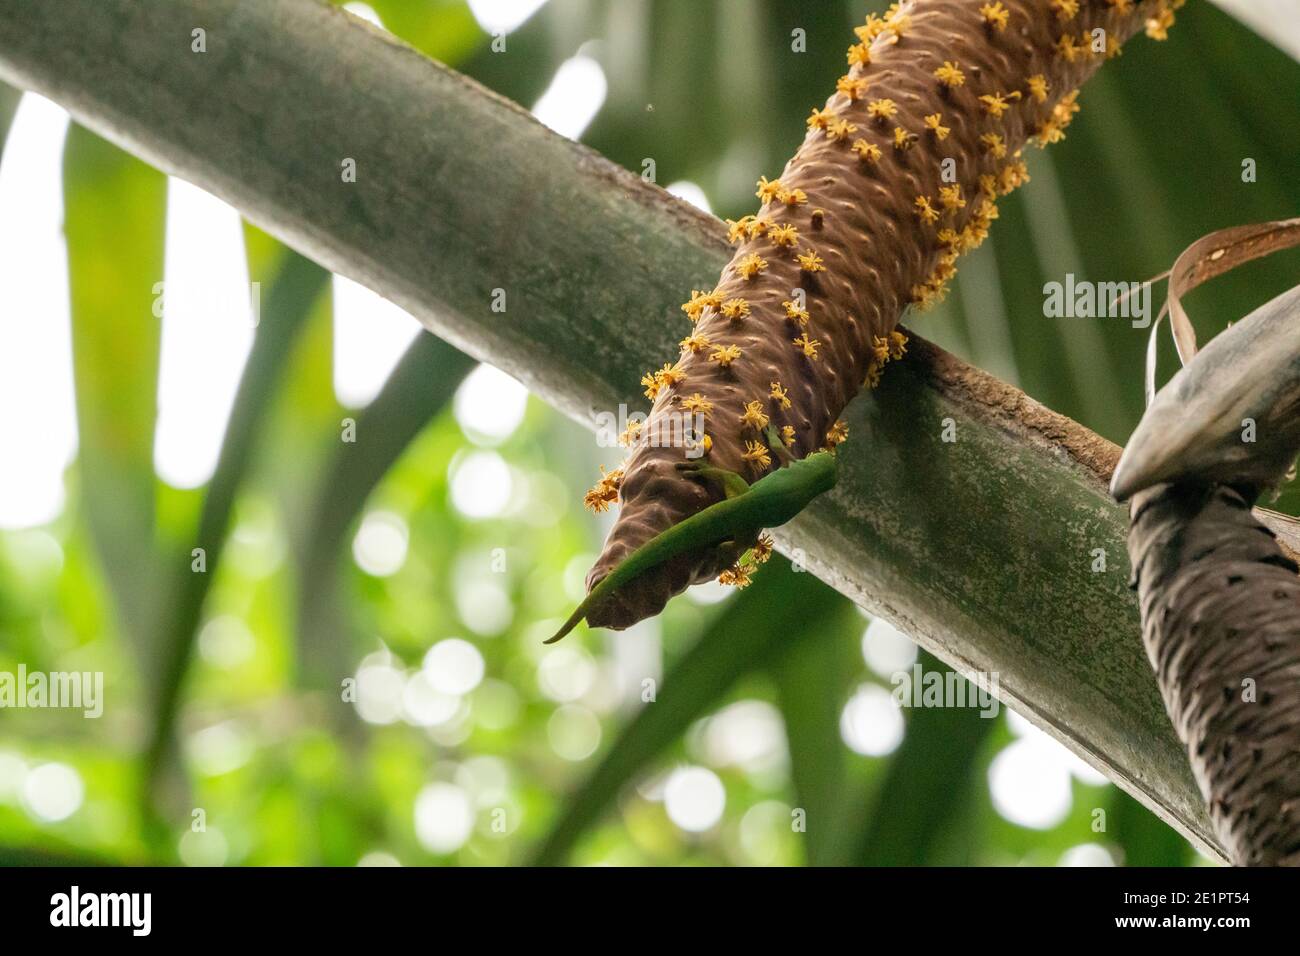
(1221, 624)
(861, 219)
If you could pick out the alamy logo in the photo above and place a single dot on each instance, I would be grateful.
(921, 688)
(1098, 300)
(75, 908)
(671, 429)
(79, 690)
(208, 304)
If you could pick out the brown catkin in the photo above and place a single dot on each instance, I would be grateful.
(1221, 624)
(870, 196)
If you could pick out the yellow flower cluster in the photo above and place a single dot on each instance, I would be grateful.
(884, 348)
(666, 377)
(605, 491)
(740, 574)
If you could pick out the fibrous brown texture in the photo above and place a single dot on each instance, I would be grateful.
(1221, 623)
(897, 176)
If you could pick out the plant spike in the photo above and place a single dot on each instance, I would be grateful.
(880, 213)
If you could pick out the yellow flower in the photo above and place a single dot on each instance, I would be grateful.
(1052, 130)
(995, 15)
(780, 394)
(873, 376)
(754, 416)
(738, 230)
(820, 118)
(1013, 176)
(762, 549)
(1047, 133)
(651, 383)
(605, 491)
(767, 189)
(993, 145)
(669, 375)
(897, 345)
(867, 152)
(756, 453)
(792, 197)
(871, 29)
(1122, 7)
(995, 104)
(751, 265)
(1065, 9)
(838, 434)
(950, 75)
(724, 355)
(903, 140)
(787, 435)
(697, 403)
(898, 22)
(629, 436)
(879, 349)
(840, 130)
(736, 576)
(851, 87)
(735, 309)
(950, 197)
(758, 227)
(807, 345)
(949, 237)
(945, 269)
(924, 297)
(811, 262)
(793, 311)
(1067, 49)
(1064, 110)
(859, 55)
(784, 236)
(924, 211)
(695, 342)
(699, 302)
(882, 110)
(1038, 87)
(934, 123)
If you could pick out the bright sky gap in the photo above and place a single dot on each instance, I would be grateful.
(36, 385)
(207, 331)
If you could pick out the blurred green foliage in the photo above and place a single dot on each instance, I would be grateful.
(228, 693)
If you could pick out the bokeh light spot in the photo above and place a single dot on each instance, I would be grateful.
(694, 798)
(872, 723)
(53, 792)
(489, 405)
(481, 485)
(453, 666)
(379, 546)
(444, 817)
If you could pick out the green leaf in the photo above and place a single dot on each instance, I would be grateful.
(443, 29)
(115, 209)
(287, 305)
(755, 626)
(417, 390)
(927, 787)
(812, 679)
